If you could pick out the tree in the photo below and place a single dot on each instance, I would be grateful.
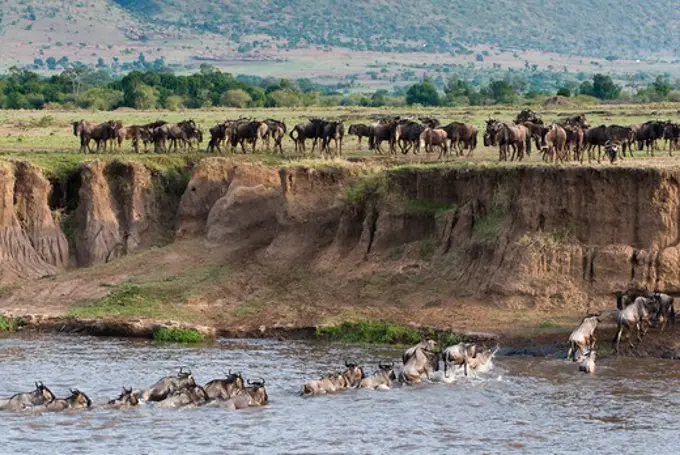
(423, 93)
(604, 88)
(236, 98)
(662, 86)
(502, 92)
(564, 91)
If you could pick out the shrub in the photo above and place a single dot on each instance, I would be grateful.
(177, 335)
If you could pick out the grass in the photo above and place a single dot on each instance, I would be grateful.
(547, 324)
(135, 301)
(177, 335)
(378, 332)
(487, 228)
(5, 291)
(8, 324)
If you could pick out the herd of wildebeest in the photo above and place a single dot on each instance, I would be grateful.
(637, 311)
(570, 138)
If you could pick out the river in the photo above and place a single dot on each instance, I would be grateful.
(524, 405)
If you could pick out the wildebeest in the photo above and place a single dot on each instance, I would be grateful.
(622, 135)
(671, 133)
(647, 135)
(311, 130)
(460, 355)
(77, 400)
(575, 138)
(462, 136)
(578, 121)
(332, 131)
(434, 137)
(556, 141)
(587, 361)
(134, 133)
(666, 312)
(218, 136)
(255, 395)
(335, 382)
(595, 137)
(84, 129)
(194, 395)
(637, 315)
(40, 396)
(381, 132)
(583, 336)
(407, 135)
(275, 130)
(177, 133)
(527, 115)
(419, 360)
(508, 135)
(126, 399)
(223, 389)
(168, 385)
(381, 379)
(360, 131)
(538, 132)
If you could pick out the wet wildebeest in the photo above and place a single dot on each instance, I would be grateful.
(666, 312)
(556, 141)
(434, 137)
(168, 385)
(275, 130)
(508, 135)
(595, 137)
(407, 135)
(333, 131)
(255, 395)
(583, 337)
(194, 395)
(621, 135)
(587, 361)
(419, 360)
(223, 389)
(126, 399)
(40, 396)
(671, 133)
(647, 135)
(462, 136)
(460, 355)
(360, 131)
(310, 130)
(77, 400)
(335, 382)
(380, 132)
(637, 315)
(381, 379)
(527, 115)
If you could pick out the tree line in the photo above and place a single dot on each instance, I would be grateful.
(151, 89)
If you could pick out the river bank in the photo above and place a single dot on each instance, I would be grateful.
(242, 248)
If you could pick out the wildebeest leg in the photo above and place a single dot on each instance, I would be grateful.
(617, 338)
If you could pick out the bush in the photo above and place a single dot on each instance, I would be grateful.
(236, 98)
(7, 324)
(378, 332)
(177, 335)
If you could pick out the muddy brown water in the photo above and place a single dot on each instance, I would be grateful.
(524, 404)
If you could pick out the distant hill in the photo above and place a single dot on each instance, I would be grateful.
(213, 29)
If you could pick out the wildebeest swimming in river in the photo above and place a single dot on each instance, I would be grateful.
(40, 396)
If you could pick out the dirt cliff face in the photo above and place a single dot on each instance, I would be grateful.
(521, 236)
(31, 244)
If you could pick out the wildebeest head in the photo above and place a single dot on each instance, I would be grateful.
(78, 400)
(257, 392)
(76, 127)
(388, 370)
(235, 378)
(43, 393)
(127, 397)
(490, 132)
(354, 373)
(185, 377)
